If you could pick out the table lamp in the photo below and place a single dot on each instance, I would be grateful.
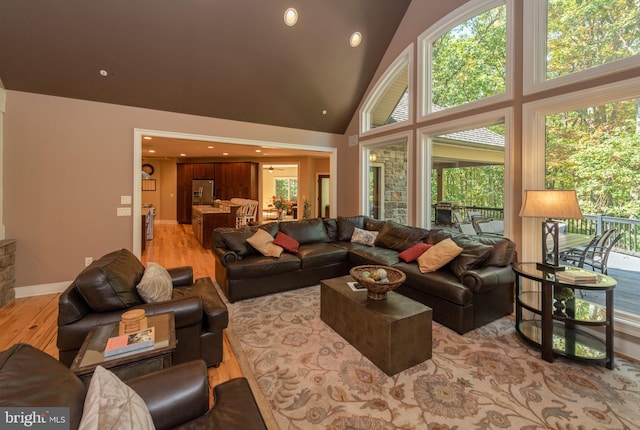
(550, 204)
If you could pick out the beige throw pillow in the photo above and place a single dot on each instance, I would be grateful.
(438, 255)
(156, 284)
(112, 404)
(364, 237)
(263, 242)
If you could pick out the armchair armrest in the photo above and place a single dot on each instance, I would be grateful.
(181, 276)
(187, 310)
(175, 395)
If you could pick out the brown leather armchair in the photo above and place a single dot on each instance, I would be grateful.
(107, 288)
(177, 397)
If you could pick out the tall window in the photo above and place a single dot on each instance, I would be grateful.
(386, 186)
(466, 60)
(589, 141)
(287, 188)
(607, 33)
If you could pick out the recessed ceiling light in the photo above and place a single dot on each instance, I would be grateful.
(225, 153)
(290, 17)
(103, 72)
(355, 39)
(152, 150)
(258, 150)
(183, 155)
(324, 112)
(210, 147)
(147, 138)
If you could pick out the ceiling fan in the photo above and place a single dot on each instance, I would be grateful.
(271, 169)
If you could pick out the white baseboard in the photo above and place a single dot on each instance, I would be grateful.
(40, 290)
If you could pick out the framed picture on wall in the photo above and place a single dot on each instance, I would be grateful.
(148, 185)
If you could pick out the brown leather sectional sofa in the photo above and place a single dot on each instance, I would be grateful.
(481, 292)
(107, 288)
(176, 397)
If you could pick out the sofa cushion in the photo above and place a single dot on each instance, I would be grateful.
(288, 243)
(263, 243)
(373, 255)
(109, 283)
(320, 254)
(438, 255)
(156, 284)
(331, 225)
(442, 284)
(347, 224)
(32, 378)
(400, 237)
(411, 254)
(373, 224)
(364, 237)
(258, 266)
(306, 231)
(112, 404)
(502, 251)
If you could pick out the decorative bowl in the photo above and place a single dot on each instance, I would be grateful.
(377, 290)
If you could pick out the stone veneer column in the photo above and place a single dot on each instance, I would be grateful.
(7, 271)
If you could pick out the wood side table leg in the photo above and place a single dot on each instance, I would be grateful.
(609, 328)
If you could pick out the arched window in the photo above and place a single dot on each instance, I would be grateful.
(389, 104)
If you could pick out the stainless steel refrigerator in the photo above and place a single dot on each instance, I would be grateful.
(203, 191)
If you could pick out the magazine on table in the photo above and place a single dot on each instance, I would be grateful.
(356, 286)
(130, 342)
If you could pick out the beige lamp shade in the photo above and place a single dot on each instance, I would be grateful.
(558, 204)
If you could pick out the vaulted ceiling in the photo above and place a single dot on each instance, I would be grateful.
(231, 59)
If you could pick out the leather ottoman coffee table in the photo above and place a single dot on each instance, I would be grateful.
(394, 334)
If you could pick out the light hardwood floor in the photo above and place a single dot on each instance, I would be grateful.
(33, 320)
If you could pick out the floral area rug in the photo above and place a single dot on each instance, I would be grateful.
(487, 379)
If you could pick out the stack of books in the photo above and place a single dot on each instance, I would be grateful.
(577, 276)
(130, 342)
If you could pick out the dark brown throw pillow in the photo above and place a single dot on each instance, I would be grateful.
(473, 255)
(236, 240)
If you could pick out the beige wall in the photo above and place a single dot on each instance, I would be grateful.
(66, 164)
(164, 198)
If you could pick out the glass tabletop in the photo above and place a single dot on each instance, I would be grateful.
(530, 270)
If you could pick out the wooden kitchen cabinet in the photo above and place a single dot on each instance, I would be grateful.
(204, 170)
(238, 179)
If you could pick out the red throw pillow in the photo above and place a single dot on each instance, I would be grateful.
(412, 254)
(287, 242)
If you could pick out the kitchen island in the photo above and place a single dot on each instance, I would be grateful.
(206, 218)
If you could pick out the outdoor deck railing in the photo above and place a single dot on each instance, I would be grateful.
(596, 224)
(590, 226)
